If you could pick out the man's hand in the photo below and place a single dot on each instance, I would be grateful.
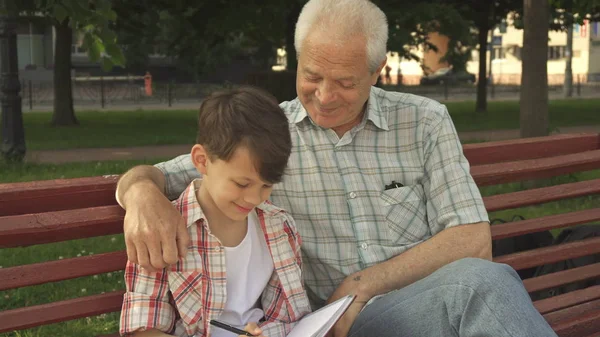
(155, 232)
(350, 286)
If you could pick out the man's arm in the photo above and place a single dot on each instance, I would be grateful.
(155, 232)
(457, 219)
(452, 244)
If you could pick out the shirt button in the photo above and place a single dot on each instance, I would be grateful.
(352, 195)
(364, 246)
(218, 248)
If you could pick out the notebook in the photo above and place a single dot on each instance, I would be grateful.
(318, 323)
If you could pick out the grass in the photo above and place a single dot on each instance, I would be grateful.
(111, 129)
(504, 115)
(161, 127)
(105, 324)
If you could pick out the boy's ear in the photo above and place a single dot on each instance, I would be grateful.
(200, 158)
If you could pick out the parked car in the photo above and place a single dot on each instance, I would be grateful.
(448, 75)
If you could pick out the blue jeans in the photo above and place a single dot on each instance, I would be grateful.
(469, 297)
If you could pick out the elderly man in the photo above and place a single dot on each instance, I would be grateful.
(380, 191)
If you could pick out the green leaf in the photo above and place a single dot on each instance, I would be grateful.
(96, 49)
(60, 12)
(115, 53)
(107, 64)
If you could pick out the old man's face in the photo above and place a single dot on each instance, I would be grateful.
(334, 81)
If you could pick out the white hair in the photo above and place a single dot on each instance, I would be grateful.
(344, 19)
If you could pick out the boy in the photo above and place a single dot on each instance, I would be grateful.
(243, 264)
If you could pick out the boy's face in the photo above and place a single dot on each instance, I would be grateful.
(230, 189)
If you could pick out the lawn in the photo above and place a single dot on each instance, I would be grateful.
(105, 324)
(158, 127)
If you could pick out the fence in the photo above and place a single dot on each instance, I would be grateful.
(107, 93)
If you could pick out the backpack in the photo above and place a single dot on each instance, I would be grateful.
(572, 234)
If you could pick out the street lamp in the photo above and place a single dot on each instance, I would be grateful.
(13, 135)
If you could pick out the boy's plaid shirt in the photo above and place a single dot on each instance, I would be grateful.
(183, 298)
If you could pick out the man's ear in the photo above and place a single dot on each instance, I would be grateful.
(377, 72)
(200, 158)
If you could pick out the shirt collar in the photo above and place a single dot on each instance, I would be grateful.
(188, 202)
(375, 113)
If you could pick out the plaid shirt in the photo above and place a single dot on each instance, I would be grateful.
(183, 298)
(336, 188)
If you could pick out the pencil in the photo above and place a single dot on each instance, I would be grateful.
(230, 328)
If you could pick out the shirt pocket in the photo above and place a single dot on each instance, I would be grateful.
(405, 213)
(186, 288)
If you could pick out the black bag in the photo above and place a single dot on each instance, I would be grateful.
(570, 235)
(521, 243)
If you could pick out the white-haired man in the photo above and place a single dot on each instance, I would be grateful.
(380, 191)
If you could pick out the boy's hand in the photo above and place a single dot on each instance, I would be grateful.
(253, 329)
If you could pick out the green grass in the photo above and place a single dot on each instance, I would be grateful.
(111, 129)
(161, 127)
(28, 171)
(503, 115)
(105, 324)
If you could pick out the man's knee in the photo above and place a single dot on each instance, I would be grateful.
(479, 273)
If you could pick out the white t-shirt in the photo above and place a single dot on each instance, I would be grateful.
(249, 268)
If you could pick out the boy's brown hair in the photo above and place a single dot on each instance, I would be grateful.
(250, 117)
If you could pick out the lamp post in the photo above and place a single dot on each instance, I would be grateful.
(13, 135)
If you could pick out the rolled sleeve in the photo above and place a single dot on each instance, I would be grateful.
(452, 196)
(179, 173)
(146, 302)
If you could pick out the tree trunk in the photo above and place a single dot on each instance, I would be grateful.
(481, 104)
(568, 86)
(64, 114)
(534, 75)
(292, 17)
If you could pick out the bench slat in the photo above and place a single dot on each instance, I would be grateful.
(517, 228)
(18, 230)
(541, 195)
(551, 254)
(494, 174)
(52, 271)
(562, 277)
(529, 148)
(28, 317)
(564, 314)
(57, 195)
(579, 326)
(567, 300)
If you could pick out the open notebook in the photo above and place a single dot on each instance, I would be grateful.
(318, 323)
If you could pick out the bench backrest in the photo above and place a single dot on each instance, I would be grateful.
(59, 210)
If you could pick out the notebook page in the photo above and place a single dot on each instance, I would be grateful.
(310, 325)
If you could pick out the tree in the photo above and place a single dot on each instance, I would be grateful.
(534, 80)
(92, 21)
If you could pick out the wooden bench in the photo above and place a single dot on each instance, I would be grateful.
(52, 211)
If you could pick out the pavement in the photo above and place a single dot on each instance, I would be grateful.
(170, 151)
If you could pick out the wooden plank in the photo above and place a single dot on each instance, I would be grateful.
(530, 148)
(494, 174)
(579, 326)
(30, 229)
(551, 254)
(541, 195)
(28, 317)
(561, 278)
(567, 300)
(57, 195)
(575, 311)
(52, 271)
(518, 228)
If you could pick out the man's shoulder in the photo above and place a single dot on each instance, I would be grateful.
(404, 107)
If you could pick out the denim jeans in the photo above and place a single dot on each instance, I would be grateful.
(469, 297)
